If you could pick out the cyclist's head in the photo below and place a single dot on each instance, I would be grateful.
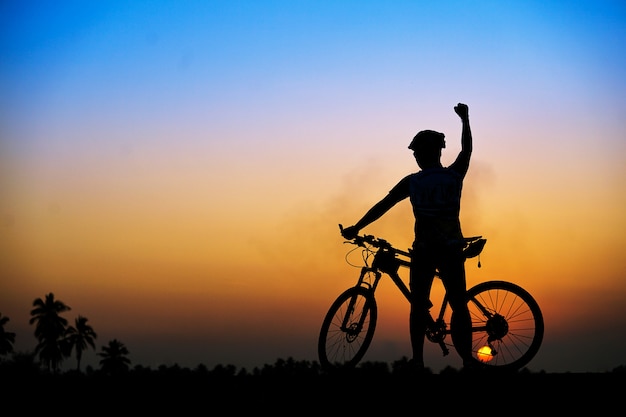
(428, 140)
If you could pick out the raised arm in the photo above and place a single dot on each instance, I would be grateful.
(462, 161)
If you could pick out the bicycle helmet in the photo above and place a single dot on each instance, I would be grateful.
(428, 139)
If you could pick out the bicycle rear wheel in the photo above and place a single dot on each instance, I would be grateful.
(347, 329)
(507, 325)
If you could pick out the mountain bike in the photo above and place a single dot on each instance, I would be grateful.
(507, 323)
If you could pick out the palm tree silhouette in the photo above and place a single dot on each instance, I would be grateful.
(49, 330)
(114, 360)
(79, 338)
(6, 338)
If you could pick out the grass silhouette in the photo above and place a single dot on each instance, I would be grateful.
(292, 386)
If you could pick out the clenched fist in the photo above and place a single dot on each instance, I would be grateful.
(462, 110)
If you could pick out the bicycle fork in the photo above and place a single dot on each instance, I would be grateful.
(370, 284)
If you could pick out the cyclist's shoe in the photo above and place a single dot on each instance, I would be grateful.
(416, 368)
(472, 367)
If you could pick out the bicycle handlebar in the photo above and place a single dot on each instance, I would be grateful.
(370, 239)
(473, 245)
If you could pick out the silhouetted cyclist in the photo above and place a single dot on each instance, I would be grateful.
(435, 194)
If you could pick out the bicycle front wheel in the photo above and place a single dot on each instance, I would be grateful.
(507, 325)
(347, 329)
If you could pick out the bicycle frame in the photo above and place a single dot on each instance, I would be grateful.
(385, 261)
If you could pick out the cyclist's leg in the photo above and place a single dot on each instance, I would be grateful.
(422, 273)
(452, 273)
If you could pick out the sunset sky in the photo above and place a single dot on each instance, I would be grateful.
(176, 171)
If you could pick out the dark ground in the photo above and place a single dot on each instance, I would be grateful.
(294, 393)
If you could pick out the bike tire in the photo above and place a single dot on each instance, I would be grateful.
(514, 324)
(342, 348)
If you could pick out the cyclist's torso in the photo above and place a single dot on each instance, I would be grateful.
(435, 195)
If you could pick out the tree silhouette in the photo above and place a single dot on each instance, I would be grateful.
(79, 338)
(49, 330)
(114, 358)
(6, 338)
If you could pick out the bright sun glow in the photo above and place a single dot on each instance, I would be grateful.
(484, 354)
